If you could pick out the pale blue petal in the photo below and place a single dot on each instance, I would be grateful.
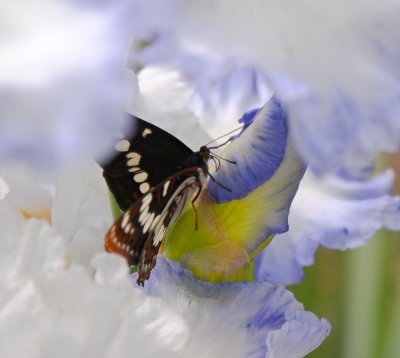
(334, 213)
(257, 153)
(342, 96)
(298, 337)
(278, 263)
(347, 136)
(244, 319)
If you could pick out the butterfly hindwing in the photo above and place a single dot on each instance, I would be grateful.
(138, 233)
(146, 157)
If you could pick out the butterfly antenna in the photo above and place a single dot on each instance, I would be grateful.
(216, 163)
(218, 146)
(224, 135)
(226, 160)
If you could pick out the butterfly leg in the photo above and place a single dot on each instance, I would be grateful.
(194, 200)
(218, 183)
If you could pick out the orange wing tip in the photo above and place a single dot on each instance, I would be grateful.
(113, 242)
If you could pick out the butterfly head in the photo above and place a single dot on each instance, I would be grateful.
(205, 153)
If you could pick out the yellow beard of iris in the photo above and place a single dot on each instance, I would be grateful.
(215, 252)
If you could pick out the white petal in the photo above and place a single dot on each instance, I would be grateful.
(100, 316)
(81, 211)
(163, 99)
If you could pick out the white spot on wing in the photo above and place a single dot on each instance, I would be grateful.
(165, 187)
(134, 169)
(127, 228)
(146, 132)
(147, 200)
(149, 220)
(122, 145)
(140, 177)
(132, 155)
(133, 159)
(155, 222)
(144, 207)
(160, 234)
(145, 203)
(143, 215)
(125, 221)
(144, 188)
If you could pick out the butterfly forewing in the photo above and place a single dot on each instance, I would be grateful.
(138, 234)
(152, 176)
(142, 160)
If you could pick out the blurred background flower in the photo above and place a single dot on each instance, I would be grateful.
(333, 64)
(62, 78)
(67, 71)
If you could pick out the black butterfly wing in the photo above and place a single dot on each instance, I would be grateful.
(138, 233)
(142, 160)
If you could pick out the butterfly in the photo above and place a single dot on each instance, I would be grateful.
(152, 176)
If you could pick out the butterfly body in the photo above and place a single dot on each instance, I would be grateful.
(152, 177)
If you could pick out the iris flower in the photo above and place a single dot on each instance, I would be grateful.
(334, 72)
(62, 292)
(201, 69)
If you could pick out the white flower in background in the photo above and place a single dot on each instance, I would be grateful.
(62, 77)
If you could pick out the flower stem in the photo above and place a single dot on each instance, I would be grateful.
(366, 298)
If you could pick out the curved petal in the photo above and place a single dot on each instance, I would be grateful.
(333, 213)
(246, 224)
(257, 319)
(299, 336)
(257, 153)
(233, 226)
